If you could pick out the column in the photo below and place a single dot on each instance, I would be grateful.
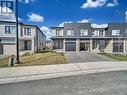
(98, 46)
(77, 45)
(111, 45)
(124, 46)
(91, 45)
(32, 45)
(64, 44)
(52, 44)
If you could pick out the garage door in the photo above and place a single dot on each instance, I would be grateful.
(70, 46)
(9, 49)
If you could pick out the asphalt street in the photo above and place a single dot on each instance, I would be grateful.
(109, 83)
(80, 57)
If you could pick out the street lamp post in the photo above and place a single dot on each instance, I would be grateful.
(17, 31)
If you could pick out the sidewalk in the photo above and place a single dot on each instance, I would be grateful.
(19, 74)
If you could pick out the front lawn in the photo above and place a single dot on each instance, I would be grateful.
(117, 57)
(47, 58)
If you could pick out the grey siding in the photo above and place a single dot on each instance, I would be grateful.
(117, 26)
(77, 27)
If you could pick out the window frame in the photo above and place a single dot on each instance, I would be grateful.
(72, 32)
(8, 30)
(26, 45)
(116, 33)
(83, 32)
(6, 5)
(125, 32)
(27, 31)
(57, 33)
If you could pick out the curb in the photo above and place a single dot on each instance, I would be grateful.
(58, 74)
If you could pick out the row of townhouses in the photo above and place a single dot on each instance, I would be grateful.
(31, 38)
(84, 37)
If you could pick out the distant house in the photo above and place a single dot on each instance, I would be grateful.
(31, 38)
(48, 44)
(84, 37)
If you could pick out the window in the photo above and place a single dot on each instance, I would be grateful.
(125, 32)
(83, 32)
(115, 32)
(10, 30)
(96, 33)
(70, 32)
(27, 31)
(27, 45)
(7, 7)
(57, 32)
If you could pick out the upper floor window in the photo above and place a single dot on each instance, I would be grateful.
(96, 33)
(125, 32)
(84, 33)
(27, 31)
(10, 30)
(115, 32)
(6, 7)
(70, 32)
(57, 32)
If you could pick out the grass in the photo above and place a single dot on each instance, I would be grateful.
(116, 57)
(47, 58)
(3, 62)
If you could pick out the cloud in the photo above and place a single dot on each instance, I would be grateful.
(62, 24)
(114, 3)
(94, 3)
(85, 21)
(46, 31)
(20, 19)
(35, 17)
(126, 15)
(80, 21)
(26, 1)
(99, 26)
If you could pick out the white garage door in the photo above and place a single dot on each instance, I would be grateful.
(9, 49)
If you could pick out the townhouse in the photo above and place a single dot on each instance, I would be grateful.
(31, 38)
(84, 37)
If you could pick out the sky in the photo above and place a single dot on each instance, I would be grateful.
(49, 13)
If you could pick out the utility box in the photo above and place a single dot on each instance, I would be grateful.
(11, 60)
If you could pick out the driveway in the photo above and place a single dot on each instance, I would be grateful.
(80, 57)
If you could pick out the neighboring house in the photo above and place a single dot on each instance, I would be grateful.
(31, 38)
(83, 37)
(48, 44)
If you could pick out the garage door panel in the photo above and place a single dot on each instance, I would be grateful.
(70, 46)
(9, 49)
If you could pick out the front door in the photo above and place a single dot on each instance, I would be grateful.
(101, 45)
(1, 49)
(84, 46)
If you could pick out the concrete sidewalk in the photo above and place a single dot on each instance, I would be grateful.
(19, 74)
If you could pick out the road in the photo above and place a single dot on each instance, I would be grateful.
(109, 83)
(80, 57)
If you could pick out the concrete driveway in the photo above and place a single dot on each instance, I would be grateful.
(80, 57)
